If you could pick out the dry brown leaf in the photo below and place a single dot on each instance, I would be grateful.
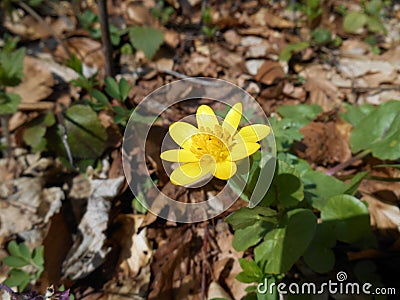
(323, 144)
(86, 49)
(271, 72)
(37, 82)
(88, 251)
(264, 18)
(323, 92)
(216, 291)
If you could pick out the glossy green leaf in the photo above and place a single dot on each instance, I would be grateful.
(146, 39)
(379, 131)
(354, 114)
(86, 136)
(284, 245)
(248, 216)
(354, 21)
(348, 217)
(318, 188)
(34, 134)
(251, 271)
(249, 236)
(111, 88)
(286, 187)
(319, 255)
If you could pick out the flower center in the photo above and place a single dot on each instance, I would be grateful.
(208, 144)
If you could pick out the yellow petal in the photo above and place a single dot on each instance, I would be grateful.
(179, 155)
(181, 131)
(233, 118)
(253, 133)
(189, 173)
(225, 170)
(206, 118)
(242, 150)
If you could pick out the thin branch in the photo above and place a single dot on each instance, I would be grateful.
(6, 133)
(105, 37)
(38, 18)
(347, 163)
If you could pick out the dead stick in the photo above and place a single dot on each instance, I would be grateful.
(6, 132)
(105, 37)
(347, 163)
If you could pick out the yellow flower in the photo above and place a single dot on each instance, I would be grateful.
(212, 148)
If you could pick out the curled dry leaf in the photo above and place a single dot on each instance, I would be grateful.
(88, 251)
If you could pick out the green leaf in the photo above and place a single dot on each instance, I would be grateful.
(249, 236)
(251, 271)
(13, 248)
(355, 182)
(124, 89)
(286, 131)
(284, 245)
(319, 255)
(86, 135)
(18, 278)
(299, 164)
(38, 256)
(34, 134)
(354, 21)
(354, 114)
(379, 131)
(374, 7)
(248, 216)
(375, 25)
(24, 250)
(9, 103)
(321, 36)
(146, 39)
(300, 112)
(15, 262)
(348, 217)
(289, 50)
(318, 188)
(99, 96)
(111, 88)
(286, 187)
(11, 67)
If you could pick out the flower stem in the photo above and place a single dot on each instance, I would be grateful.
(347, 163)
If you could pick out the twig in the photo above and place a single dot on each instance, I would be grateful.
(38, 18)
(6, 132)
(105, 37)
(64, 138)
(204, 263)
(347, 163)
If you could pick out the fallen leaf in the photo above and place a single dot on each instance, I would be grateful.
(271, 72)
(88, 251)
(37, 82)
